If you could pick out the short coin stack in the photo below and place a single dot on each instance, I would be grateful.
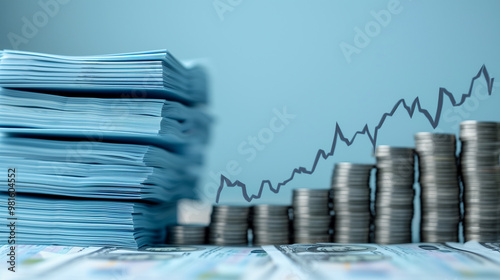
(351, 202)
(270, 224)
(187, 234)
(311, 215)
(229, 225)
(394, 194)
(440, 189)
(480, 172)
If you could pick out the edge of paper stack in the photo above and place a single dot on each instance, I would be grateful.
(103, 146)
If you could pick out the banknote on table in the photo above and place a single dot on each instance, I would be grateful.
(29, 261)
(298, 261)
(488, 249)
(163, 262)
(371, 261)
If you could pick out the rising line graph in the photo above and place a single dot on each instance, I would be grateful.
(372, 136)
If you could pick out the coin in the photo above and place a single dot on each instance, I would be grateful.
(351, 202)
(187, 234)
(229, 225)
(270, 224)
(394, 194)
(311, 215)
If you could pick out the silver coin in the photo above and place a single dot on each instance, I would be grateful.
(395, 177)
(186, 234)
(270, 224)
(229, 225)
(350, 186)
(479, 162)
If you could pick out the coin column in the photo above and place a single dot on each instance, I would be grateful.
(351, 202)
(187, 234)
(480, 172)
(440, 189)
(394, 194)
(228, 225)
(270, 224)
(311, 215)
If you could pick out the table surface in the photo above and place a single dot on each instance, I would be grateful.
(471, 260)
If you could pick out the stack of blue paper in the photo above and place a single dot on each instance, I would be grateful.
(103, 146)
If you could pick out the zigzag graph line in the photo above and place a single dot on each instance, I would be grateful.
(434, 121)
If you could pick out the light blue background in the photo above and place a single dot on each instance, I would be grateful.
(266, 55)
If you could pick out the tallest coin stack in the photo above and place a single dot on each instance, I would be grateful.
(102, 147)
(480, 171)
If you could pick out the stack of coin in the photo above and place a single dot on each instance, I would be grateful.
(394, 194)
(351, 202)
(311, 215)
(440, 189)
(229, 225)
(270, 224)
(187, 234)
(480, 173)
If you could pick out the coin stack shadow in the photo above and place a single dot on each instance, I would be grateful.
(480, 172)
(187, 234)
(229, 225)
(270, 224)
(311, 215)
(439, 184)
(351, 202)
(394, 194)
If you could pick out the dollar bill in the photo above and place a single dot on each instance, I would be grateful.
(160, 262)
(371, 261)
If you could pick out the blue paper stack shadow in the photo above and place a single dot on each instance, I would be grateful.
(103, 146)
